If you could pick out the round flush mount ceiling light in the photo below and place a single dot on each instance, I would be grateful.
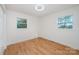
(39, 7)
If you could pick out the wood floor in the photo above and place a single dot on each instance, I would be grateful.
(39, 46)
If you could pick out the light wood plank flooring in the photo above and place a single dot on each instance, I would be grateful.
(39, 46)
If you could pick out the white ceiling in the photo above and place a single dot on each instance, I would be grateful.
(49, 8)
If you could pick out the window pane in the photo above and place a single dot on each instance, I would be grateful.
(65, 22)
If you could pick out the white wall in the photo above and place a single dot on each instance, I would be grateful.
(39, 26)
(2, 29)
(15, 35)
(1, 25)
(50, 30)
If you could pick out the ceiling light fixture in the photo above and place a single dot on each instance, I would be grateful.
(39, 7)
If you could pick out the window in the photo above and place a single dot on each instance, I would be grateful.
(65, 22)
(21, 23)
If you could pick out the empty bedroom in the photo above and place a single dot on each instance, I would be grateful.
(39, 29)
